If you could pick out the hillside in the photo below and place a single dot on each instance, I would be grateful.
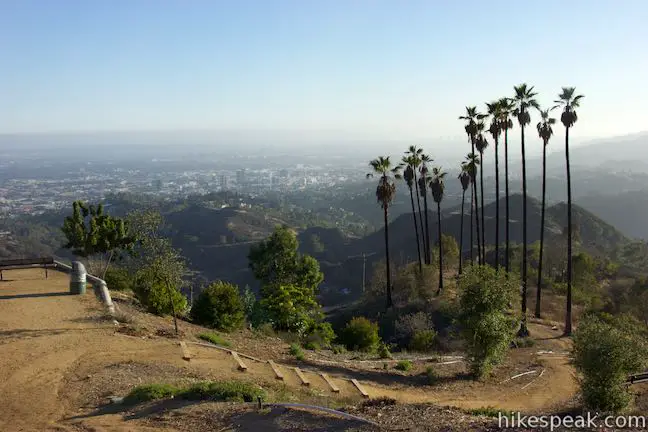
(627, 211)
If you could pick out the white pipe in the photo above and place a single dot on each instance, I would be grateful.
(99, 286)
(326, 410)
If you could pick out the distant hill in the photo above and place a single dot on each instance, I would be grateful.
(628, 211)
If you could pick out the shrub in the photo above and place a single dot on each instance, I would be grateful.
(339, 349)
(408, 325)
(214, 338)
(266, 330)
(320, 334)
(157, 296)
(289, 307)
(118, 279)
(361, 334)
(403, 365)
(313, 346)
(296, 350)
(487, 330)
(150, 392)
(383, 351)
(522, 342)
(219, 306)
(227, 391)
(432, 375)
(606, 353)
(422, 341)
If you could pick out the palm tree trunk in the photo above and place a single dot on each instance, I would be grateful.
(568, 318)
(481, 181)
(476, 202)
(497, 204)
(524, 331)
(418, 243)
(461, 231)
(390, 303)
(542, 226)
(506, 181)
(440, 248)
(420, 218)
(428, 257)
(472, 226)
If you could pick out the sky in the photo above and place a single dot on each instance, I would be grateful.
(384, 69)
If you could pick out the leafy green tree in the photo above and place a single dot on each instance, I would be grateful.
(437, 186)
(385, 192)
(92, 233)
(487, 329)
(219, 306)
(524, 100)
(545, 131)
(290, 307)
(464, 178)
(154, 291)
(507, 107)
(569, 101)
(450, 252)
(606, 350)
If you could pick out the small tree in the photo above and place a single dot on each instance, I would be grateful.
(361, 334)
(219, 306)
(450, 251)
(487, 329)
(290, 307)
(91, 233)
(605, 352)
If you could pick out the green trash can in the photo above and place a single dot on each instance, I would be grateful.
(78, 278)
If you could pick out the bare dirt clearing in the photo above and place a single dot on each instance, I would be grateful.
(62, 358)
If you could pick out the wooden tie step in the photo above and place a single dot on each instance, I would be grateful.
(186, 355)
(329, 381)
(241, 366)
(301, 376)
(276, 370)
(359, 387)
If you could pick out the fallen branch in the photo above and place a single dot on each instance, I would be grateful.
(519, 375)
(326, 410)
(534, 379)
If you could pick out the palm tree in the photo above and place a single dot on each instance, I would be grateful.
(569, 102)
(524, 99)
(408, 175)
(507, 106)
(545, 132)
(385, 192)
(481, 143)
(422, 184)
(464, 178)
(437, 187)
(472, 161)
(416, 154)
(495, 129)
(471, 118)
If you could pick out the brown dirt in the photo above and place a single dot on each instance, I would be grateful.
(61, 360)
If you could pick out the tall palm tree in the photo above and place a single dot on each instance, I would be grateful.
(472, 162)
(408, 175)
(569, 102)
(545, 132)
(471, 118)
(495, 129)
(481, 144)
(437, 185)
(385, 192)
(507, 106)
(464, 178)
(416, 154)
(524, 99)
(423, 184)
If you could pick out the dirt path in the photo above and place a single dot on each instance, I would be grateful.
(61, 359)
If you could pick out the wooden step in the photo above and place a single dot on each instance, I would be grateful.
(359, 387)
(186, 355)
(241, 366)
(329, 381)
(275, 369)
(301, 376)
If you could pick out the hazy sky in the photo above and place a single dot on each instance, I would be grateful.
(380, 68)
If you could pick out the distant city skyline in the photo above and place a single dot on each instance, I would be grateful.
(370, 70)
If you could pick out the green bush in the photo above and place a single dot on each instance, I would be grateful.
(361, 334)
(432, 375)
(522, 342)
(320, 334)
(605, 353)
(226, 391)
(214, 338)
(383, 351)
(219, 306)
(296, 351)
(339, 349)
(487, 330)
(313, 346)
(150, 392)
(422, 341)
(403, 365)
(118, 279)
(157, 296)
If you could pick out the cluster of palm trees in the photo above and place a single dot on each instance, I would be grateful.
(497, 121)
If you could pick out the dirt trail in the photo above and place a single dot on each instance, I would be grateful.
(57, 352)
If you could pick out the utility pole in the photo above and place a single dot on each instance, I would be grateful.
(364, 267)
